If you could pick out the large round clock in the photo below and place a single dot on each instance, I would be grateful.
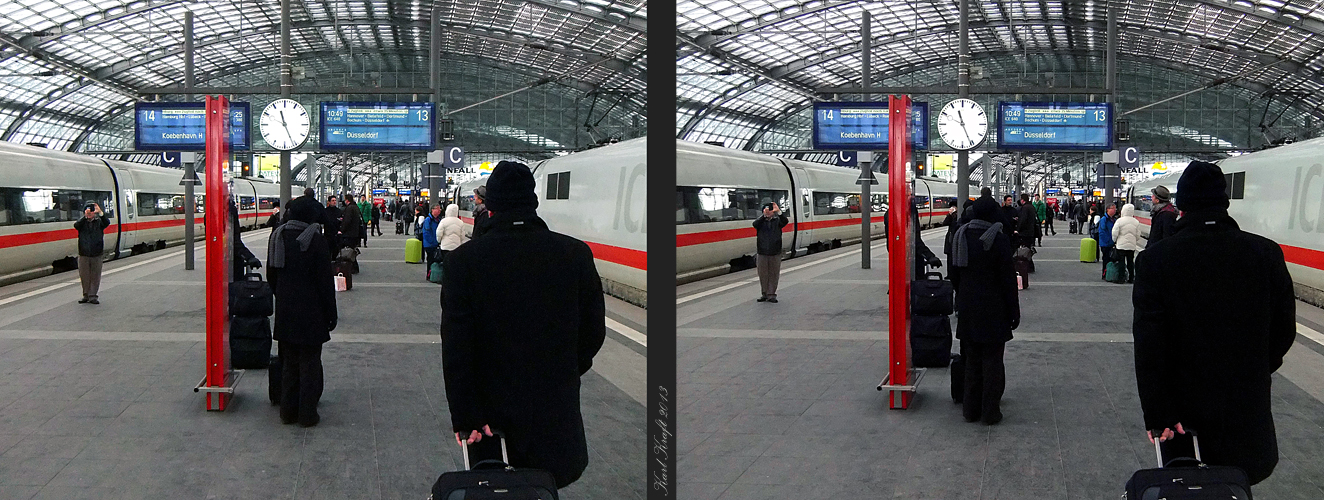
(962, 124)
(284, 124)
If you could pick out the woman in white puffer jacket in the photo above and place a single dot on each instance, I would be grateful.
(1126, 234)
(450, 232)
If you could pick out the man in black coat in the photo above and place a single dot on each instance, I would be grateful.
(91, 229)
(1010, 213)
(299, 270)
(1163, 216)
(351, 223)
(987, 308)
(1214, 316)
(480, 211)
(241, 255)
(523, 317)
(768, 250)
(332, 216)
(1027, 222)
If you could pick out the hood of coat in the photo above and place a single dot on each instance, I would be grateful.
(452, 210)
(1128, 210)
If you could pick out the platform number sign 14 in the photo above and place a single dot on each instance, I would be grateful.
(284, 124)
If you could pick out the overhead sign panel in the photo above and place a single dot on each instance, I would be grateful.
(1050, 126)
(377, 126)
(863, 125)
(181, 126)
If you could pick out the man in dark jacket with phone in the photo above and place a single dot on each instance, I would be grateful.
(1214, 315)
(768, 246)
(513, 355)
(91, 244)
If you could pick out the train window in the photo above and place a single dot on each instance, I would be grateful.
(32, 206)
(146, 204)
(265, 203)
(698, 205)
(1236, 185)
(836, 203)
(558, 186)
(246, 203)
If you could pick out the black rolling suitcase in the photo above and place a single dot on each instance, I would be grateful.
(494, 480)
(1195, 482)
(273, 380)
(250, 341)
(930, 340)
(958, 378)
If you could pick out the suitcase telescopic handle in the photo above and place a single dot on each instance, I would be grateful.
(1158, 451)
(505, 457)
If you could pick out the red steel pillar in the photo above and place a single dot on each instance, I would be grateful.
(218, 384)
(900, 261)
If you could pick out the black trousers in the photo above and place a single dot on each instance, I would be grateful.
(1048, 223)
(1128, 256)
(376, 228)
(1108, 256)
(301, 382)
(985, 380)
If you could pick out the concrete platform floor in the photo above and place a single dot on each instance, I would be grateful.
(779, 400)
(97, 401)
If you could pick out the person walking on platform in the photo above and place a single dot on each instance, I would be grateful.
(1045, 214)
(768, 255)
(331, 228)
(365, 211)
(513, 356)
(1214, 315)
(480, 211)
(1163, 216)
(351, 228)
(91, 245)
(1078, 213)
(428, 232)
(405, 214)
(987, 308)
(376, 217)
(1126, 235)
(299, 271)
(1105, 232)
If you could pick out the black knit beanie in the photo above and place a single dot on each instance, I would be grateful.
(1202, 187)
(510, 188)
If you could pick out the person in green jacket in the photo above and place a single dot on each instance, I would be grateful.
(364, 207)
(1041, 212)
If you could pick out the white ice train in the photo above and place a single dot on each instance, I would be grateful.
(1277, 193)
(597, 196)
(42, 193)
(720, 191)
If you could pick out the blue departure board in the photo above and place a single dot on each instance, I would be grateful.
(182, 126)
(863, 125)
(378, 126)
(1049, 126)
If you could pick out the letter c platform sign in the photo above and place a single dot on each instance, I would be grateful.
(454, 159)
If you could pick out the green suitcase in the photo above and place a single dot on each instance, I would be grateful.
(1089, 250)
(413, 251)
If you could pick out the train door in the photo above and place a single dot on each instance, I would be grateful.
(804, 210)
(923, 203)
(128, 210)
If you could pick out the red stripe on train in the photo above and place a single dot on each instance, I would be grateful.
(1303, 256)
(687, 239)
(18, 240)
(624, 256)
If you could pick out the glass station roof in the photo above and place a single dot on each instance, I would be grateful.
(745, 67)
(70, 69)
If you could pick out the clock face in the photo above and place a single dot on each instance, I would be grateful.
(284, 124)
(962, 124)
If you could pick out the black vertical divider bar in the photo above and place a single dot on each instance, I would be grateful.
(662, 397)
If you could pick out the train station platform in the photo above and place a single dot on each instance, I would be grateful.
(96, 401)
(779, 401)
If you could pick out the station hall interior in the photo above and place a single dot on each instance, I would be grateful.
(781, 397)
(99, 400)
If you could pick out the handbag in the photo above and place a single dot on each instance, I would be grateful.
(340, 282)
(434, 273)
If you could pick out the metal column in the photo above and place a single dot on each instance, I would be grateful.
(866, 217)
(1111, 82)
(190, 197)
(286, 88)
(963, 90)
(436, 173)
(1020, 178)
